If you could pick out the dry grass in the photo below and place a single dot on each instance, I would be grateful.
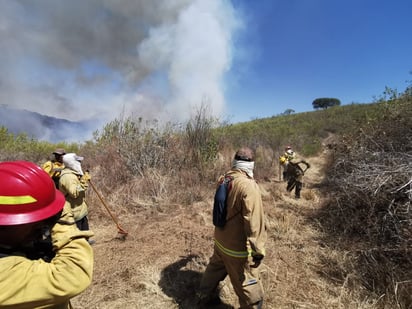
(160, 263)
(344, 244)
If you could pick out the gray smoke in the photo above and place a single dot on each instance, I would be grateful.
(81, 60)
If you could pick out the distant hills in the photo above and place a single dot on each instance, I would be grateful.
(46, 128)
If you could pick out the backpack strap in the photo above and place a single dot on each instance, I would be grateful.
(231, 179)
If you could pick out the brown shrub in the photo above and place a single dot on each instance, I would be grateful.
(369, 213)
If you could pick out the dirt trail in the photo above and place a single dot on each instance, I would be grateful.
(161, 261)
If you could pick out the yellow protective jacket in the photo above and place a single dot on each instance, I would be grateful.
(286, 158)
(54, 169)
(34, 284)
(74, 190)
(244, 233)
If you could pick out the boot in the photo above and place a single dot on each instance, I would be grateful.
(257, 305)
(205, 301)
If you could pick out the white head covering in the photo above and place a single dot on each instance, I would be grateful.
(244, 160)
(245, 166)
(72, 161)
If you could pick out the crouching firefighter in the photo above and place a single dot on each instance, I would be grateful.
(294, 175)
(29, 204)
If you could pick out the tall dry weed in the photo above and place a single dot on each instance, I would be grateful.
(369, 213)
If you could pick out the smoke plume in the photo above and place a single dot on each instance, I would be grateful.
(95, 59)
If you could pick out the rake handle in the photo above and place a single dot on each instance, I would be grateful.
(122, 231)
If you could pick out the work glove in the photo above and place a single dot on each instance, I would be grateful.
(257, 259)
(86, 177)
(65, 229)
(84, 180)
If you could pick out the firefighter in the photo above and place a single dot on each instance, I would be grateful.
(74, 183)
(29, 203)
(284, 159)
(289, 153)
(240, 245)
(55, 166)
(294, 175)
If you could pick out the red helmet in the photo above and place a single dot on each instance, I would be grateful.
(288, 147)
(27, 194)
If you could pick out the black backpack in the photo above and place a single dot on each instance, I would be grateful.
(220, 202)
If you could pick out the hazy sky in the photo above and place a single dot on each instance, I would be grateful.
(82, 59)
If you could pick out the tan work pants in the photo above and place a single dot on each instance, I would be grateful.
(245, 279)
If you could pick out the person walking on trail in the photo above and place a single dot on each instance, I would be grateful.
(73, 184)
(55, 166)
(294, 175)
(239, 246)
(29, 202)
(284, 159)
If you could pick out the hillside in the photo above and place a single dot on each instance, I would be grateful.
(43, 127)
(160, 262)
